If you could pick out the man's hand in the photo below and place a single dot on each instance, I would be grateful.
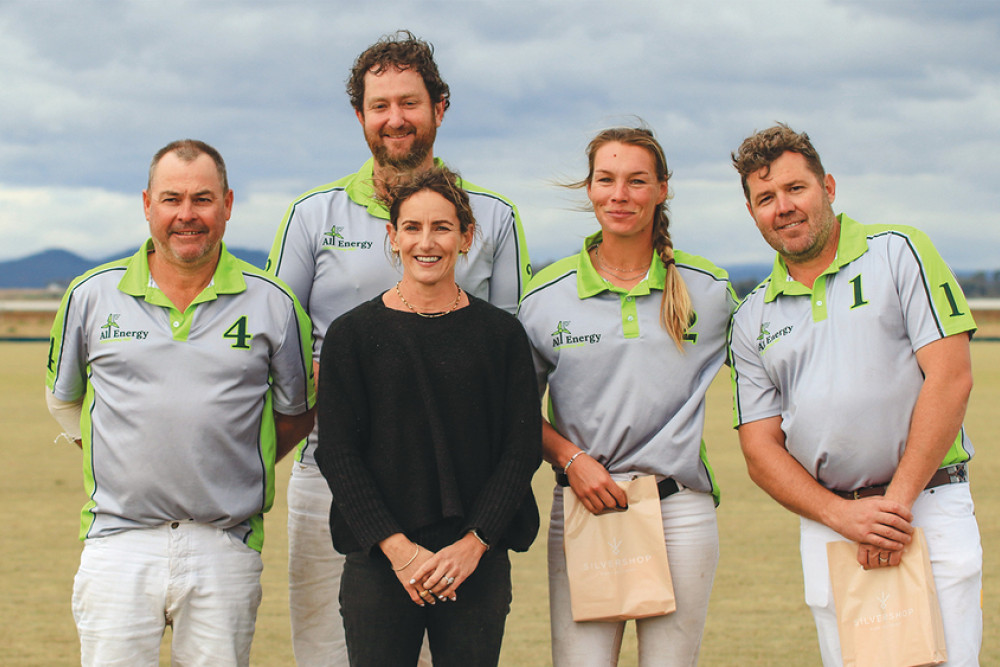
(881, 527)
(871, 557)
(875, 521)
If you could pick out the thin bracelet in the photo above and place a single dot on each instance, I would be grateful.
(570, 462)
(475, 534)
(400, 569)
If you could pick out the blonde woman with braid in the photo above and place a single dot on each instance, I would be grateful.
(627, 335)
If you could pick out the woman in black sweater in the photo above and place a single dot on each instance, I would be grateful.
(430, 432)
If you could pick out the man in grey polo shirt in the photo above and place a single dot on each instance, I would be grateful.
(330, 249)
(184, 374)
(851, 374)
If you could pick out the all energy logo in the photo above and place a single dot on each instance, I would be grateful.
(111, 331)
(563, 337)
(112, 322)
(765, 339)
(334, 239)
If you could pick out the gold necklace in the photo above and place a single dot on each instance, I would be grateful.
(406, 303)
(615, 270)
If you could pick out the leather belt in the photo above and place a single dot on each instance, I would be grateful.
(667, 486)
(950, 475)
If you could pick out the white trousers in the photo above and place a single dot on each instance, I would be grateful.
(946, 515)
(197, 578)
(314, 569)
(692, 539)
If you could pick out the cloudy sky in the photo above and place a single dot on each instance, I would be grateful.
(902, 99)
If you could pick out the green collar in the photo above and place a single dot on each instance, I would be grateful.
(361, 189)
(852, 244)
(590, 283)
(228, 278)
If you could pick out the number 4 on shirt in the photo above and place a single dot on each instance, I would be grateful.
(238, 333)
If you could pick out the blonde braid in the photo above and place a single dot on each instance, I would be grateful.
(675, 307)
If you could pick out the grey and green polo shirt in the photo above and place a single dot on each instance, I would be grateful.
(618, 386)
(837, 362)
(177, 406)
(331, 250)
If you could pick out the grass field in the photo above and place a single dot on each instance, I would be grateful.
(756, 616)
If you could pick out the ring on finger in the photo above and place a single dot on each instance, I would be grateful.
(450, 580)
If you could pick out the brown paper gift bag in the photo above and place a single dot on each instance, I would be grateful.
(617, 562)
(888, 616)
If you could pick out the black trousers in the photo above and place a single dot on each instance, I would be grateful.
(384, 627)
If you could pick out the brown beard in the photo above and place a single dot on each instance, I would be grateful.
(421, 148)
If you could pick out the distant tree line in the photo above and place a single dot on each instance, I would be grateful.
(977, 285)
(981, 284)
(743, 287)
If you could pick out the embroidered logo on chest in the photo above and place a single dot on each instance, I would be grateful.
(334, 240)
(563, 337)
(766, 339)
(111, 331)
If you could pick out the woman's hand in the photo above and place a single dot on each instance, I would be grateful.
(590, 481)
(406, 558)
(592, 484)
(440, 575)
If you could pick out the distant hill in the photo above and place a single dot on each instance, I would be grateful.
(744, 277)
(59, 267)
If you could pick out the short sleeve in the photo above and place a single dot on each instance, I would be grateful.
(755, 395)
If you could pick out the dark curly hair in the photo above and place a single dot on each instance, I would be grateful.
(762, 148)
(403, 51)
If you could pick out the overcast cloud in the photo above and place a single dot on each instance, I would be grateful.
(902, 99)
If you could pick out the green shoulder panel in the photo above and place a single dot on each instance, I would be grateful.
(58, 330)
(524, 261)
(699, 263)
(951, 310)
(550, 273)
(278, 245)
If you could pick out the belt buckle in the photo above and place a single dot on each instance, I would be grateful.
(958, 474)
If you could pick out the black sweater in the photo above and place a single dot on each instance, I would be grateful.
(429, 426)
